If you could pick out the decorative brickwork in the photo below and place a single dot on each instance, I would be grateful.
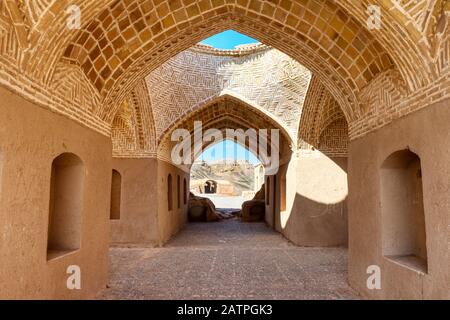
(385, 90)
(268, 80)
(224, 113)
(322, 124)
(133, 131)
(398, 106)
(123, 32)
(67, 84)
(400, 36)
(333, 140)
(87, 74)
(132, 72)
(439, 36)
(124, 134)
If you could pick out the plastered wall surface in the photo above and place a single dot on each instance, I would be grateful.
(138, 223)
(170, 221)
(316, 201)
(129, 76)
(427, 134)
(30, 138)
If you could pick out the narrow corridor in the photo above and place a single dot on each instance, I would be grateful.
(228, 260)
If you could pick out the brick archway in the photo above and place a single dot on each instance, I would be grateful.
(404, 51)
(42, 51)
(85, 91)
(125, 52)
(222, 114)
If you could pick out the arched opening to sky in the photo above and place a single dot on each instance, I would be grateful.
(228, 174)
(228, 151)
(228, 40)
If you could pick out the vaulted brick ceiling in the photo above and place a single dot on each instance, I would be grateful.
(87, 74)
(125, 42)
(269, 80)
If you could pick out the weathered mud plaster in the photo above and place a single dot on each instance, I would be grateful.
(138, 222)
(145, 218)
(30, 139)
(427, 134)
(316, 204)
(170, 222)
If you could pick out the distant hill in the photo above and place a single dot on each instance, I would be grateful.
(240, 174)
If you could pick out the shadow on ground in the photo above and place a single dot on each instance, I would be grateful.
(228, 260)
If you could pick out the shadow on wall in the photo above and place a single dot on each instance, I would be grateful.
(316, 195)
(323, 224)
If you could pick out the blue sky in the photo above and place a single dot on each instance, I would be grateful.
(228, 150)
(228, 40)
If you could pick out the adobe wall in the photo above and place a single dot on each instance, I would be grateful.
(170, 222)
(145, 218)
(272, 199)
(316, 214)
(426, 133)
(138, 222)
(30, 139)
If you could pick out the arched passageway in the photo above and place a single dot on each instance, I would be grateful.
(344, 94)
(202, 121)
(226, 176)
